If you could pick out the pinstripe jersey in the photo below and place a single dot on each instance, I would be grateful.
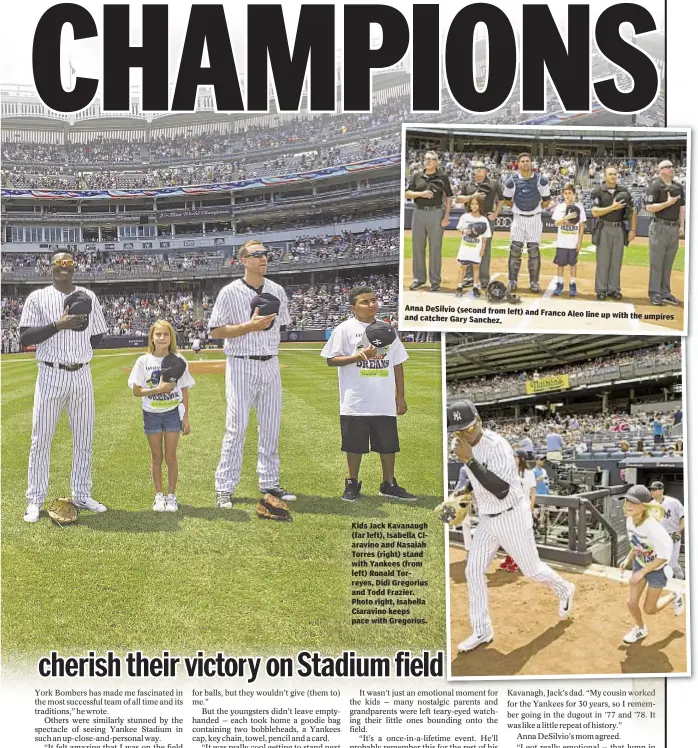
(232, 307)
(496, 454)
(45, 306)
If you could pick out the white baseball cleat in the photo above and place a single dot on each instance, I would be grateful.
(567, 603)
(31, 513)
(475, 640)
(171, 503)
(678, 605)
(91, 504)
(159, 503)
(635, 634)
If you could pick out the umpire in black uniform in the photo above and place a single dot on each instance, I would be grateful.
(666, 201)
(612, 205)
(490, 193)
(431, 191)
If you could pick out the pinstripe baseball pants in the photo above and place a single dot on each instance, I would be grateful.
(251, 384)
(525, 231)
(58, 390)
(675, 565)
(513, 531)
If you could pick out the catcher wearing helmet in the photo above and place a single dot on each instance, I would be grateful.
(570, 218)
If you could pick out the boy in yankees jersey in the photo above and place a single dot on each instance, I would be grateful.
(672, 521)
(252, 375)
(64, 344)
(526, 193)
(505, 518)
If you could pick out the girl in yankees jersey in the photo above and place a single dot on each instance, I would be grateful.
(505, 519)
(64, 344)
(650, 551)
(165, 410)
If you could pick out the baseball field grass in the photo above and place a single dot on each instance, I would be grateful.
(637, 254)
(204, 578)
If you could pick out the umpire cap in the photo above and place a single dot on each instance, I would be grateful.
(637, 495)
(496, 291)
(460, 415)
(379, 334)
(573, 214)
(172, 368)
(77, 302)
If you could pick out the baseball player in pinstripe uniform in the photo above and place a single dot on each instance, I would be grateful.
(64, 344)
(504, 518)
(526, 193)
(252, 377)
(673, 522)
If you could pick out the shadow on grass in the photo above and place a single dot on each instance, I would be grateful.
(121, 520)
(365, 506)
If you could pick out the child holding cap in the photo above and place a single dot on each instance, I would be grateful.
(371, 391)
(650, 552)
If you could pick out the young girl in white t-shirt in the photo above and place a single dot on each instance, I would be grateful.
(165, 410)
(475, 230)
(650, 552)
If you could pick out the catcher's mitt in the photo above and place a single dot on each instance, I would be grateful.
(455, 509)
(63, 512)
(272, 508)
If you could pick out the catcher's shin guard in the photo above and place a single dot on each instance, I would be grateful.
(515, 251)
(533, 262)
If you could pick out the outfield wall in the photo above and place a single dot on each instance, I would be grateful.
(503, 222)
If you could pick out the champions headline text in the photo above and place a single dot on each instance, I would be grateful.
(307, 76)
(305, 664)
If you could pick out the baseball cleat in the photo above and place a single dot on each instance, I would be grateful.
(573, 289)
(567, 602)
(352, 489)
(475, 640)
(224, 499)
(435, 289)
(559, 288)
(678, 605)
(601, 296)
(171, 503)
(416, 284)
(671, 300)
(394, 491)
(616, 295)
(657, 301)
(31, 513)
(90, 504)
(159, 505)
(535, 287)
(635, 634)
(280, 493)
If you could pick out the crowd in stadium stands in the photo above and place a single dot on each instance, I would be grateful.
(664, 352)
(368, 245)
(318, 306)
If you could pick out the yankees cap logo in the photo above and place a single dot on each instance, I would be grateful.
(457, 416)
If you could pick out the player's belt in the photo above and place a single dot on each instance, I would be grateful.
(65, 367)
(527, 215)
(665, 221)
(499, 513)
(256, 358)
(428, 207)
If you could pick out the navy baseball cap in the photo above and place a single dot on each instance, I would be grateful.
(379, 334)
(656, 485)
(460, 415)
(637, 495)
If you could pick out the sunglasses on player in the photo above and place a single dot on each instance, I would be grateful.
(259, 253)
(67, 263)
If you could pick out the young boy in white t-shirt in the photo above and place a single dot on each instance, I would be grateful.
(569, 217)
(371, 394)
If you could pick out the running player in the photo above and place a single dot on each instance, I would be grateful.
(505, 519)
(64, 344)
(672, 522)
(252, 377)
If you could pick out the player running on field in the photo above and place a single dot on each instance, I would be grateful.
(165, 410)
(650, 553)
(673, 522)
(569, 217)
(528, 481)
(475, 231)
(371, 391)
(505, 518)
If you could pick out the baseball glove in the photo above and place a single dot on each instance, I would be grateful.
(455, 509)
(272, 508)
(63, 512)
